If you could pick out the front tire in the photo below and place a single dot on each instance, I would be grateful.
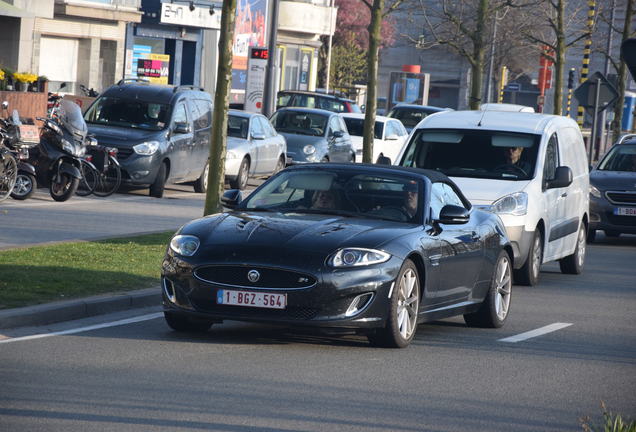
(158, 186)
(573, 264)
(243, 174)
(201, 184)
(65, 188)
(25, 185)
(529, 273)
(591, 235)
(401, 323)
(494, 310)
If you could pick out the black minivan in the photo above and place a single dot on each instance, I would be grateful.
(162, 132)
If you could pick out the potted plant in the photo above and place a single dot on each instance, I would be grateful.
(25, 79)
(41, 84)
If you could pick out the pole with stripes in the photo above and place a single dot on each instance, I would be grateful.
(586, 55)
(502, 83)
(570, 90)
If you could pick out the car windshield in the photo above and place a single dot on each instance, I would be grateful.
(474, 153)
(131, 113)
(620, 158)
(355, 126)
(302, 123)
(409, 117)
(237, 126)
(341, 192)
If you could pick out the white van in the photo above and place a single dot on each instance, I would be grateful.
(530, 169)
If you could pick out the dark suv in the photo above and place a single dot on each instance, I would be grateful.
(162, 132)
(307, 99)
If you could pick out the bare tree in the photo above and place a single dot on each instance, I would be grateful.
(218, 141)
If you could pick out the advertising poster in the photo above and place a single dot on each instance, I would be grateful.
(250, 31)
(154, 67)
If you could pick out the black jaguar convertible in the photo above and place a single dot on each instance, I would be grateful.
(371, 248)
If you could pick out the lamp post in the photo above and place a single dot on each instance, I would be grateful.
(269, 92)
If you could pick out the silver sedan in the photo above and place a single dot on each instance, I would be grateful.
(254, 148)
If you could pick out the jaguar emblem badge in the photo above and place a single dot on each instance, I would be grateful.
(253, 276)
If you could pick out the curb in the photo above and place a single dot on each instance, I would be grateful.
(81, 308)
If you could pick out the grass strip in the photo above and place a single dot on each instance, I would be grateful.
(42, 274)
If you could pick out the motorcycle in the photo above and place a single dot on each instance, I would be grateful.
(62, 144)
(18, 138)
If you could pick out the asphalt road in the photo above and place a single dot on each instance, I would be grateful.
(142, 376)
(138, 375)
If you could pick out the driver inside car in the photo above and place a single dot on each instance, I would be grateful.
(512, 156)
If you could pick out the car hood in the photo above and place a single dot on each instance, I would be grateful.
(486, 191)
(277, 238)
(121, 136)
(613, 180)
(297, 142)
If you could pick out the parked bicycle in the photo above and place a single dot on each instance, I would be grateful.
(20, 136)
(101, 173)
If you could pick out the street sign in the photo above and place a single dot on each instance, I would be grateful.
(585, 94)
(513, 87)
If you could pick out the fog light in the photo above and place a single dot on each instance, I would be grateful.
(358, 304)
(168, 289)
(140, 174)
(595, 217)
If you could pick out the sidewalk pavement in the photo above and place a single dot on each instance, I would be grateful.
(79, 308)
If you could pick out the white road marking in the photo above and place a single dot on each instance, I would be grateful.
(87, 328)
(534, 333)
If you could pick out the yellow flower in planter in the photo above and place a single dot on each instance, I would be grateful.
(25, 77)
(1, 74)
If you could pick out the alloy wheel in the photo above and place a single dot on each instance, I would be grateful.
(503, 283)
(581, 246)
(536, 256)
(23, 185)
(407, 304)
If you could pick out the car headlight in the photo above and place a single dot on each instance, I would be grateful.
(515, 204)
(186, 245)
(595, 192)
(146, 148)
(309, 149)
(355, 257)
(231, 155)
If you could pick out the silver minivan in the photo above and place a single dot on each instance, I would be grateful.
(530, 169)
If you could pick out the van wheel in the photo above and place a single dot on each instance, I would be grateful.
(157, 187)
(201, 184)
(573, 264)
(529, 273)
(241, 179)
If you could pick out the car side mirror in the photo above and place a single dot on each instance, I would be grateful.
(562, 178)
(231, 198)
(337, 134)
(383, 160)
(453, 215)
(181, 128)
(392, 137)
(258, 136)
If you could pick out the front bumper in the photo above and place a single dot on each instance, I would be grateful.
(602, 216)
(326, 304)
(140, 169)
(520, 240)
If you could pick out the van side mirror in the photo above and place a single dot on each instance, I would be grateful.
(383, 160)
(231, 198)
(337, 134)
(562, 178)
(258, 136)
(453, 215)
(181, 128)
(392, 137)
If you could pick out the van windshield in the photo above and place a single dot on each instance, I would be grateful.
(474, 153)
(131, 113)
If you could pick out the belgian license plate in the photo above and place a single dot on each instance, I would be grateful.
(251, 299)
(625, 211)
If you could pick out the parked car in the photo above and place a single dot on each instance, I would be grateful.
(162, 133)
(394, 247)
(613, 191)
(530, 169)
(254, 148)
(410, 115)
(313, 135)
(388, 137)
(307, 99)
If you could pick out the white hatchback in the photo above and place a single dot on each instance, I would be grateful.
(389, 135)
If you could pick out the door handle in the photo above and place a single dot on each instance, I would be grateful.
(564, 194)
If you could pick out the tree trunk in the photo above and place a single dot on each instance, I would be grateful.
(218, 141)
(622, 75)
(477, 66)
(372, 83)
(559, 64)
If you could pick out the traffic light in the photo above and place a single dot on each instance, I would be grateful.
(571, 78)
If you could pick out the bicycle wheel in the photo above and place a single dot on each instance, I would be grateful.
(89, 179)
(109, 179)
(8, 174)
